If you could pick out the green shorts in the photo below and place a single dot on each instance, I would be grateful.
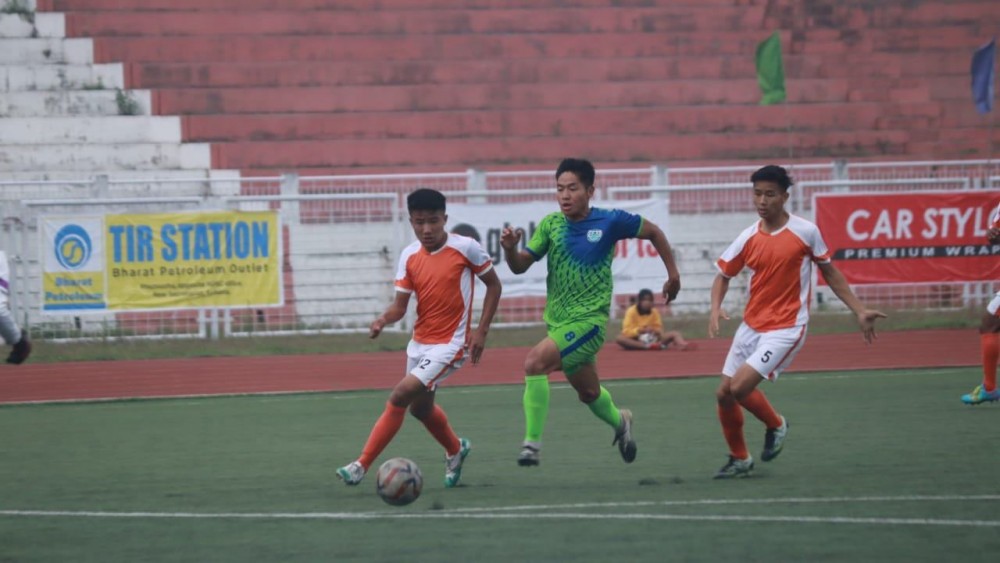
(578, 343)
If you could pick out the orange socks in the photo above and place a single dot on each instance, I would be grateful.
(990, 346)
(437, 425)
(731, 418)
(758, 404)
(382, 433)
(392, 420)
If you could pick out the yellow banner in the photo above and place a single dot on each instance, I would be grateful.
(193, 260)
(217, 259)
(73, 290)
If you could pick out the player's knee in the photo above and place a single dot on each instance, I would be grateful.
(588, 395)
(421, 411)
(724, 396)
(740, 392)
(398, 400)
(401, 397)
(534, 366)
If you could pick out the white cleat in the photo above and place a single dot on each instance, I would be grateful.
(531, 454)
(352, 473)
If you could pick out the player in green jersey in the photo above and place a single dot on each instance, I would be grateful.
(579, 241)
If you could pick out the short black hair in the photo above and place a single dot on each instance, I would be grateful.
(583, 169)
(772, 173)
(425, 199)
(467, 230)
(643, 293)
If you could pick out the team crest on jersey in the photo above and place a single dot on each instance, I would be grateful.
(594, 235)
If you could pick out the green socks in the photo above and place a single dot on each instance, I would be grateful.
(536, 406)
(605, 408)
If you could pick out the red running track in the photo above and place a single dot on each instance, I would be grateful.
(74, 381)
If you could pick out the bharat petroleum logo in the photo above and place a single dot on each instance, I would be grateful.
(73, 247)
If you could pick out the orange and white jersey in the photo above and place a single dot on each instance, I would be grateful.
(780, 265)
(443, 283)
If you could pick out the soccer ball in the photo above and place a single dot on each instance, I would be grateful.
(647, 338)
(399, 481)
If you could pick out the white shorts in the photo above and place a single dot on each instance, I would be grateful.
(769, 352)
(994, 305)
(433, 363)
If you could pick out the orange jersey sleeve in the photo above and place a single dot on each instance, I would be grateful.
(444, 286)
(780, 265)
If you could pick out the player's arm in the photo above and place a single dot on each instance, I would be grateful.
(651, 232)
(490, 303)
(518, 260)
(719, 289)
(866, 317)
(993, 233)
(395, 311)
(657, 325)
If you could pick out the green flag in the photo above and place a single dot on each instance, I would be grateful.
(770, 73)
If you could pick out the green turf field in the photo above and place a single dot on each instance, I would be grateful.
(878, 466)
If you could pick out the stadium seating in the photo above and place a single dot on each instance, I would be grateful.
(328, 86)
(65, 117)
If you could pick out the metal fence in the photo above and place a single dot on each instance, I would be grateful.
(343, 235)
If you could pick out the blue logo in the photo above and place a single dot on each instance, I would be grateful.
(570, 336)
(594, 235)
(73, 247)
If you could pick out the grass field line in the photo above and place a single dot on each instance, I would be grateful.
(518, 512)
(708, 502)
(508, 516)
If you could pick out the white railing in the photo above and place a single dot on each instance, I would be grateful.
(345, 233)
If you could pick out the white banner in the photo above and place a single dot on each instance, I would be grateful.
(636, 265)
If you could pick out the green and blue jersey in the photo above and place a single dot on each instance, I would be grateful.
(579, 281)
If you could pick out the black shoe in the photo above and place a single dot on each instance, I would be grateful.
(529, 456)
(774, 441)
(21, 350)
(623, 437)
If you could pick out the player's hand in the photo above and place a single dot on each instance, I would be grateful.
(866, 319)
(713, 322)
(476, 346)
(376, 328)
(509, 238)
(671, 288)
(993, 235)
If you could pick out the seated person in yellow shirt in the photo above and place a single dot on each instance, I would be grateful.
(642, 328)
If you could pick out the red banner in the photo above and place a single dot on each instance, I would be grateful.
(910, 237)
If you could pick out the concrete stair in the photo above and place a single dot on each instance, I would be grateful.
(91, 130)
(15, 77)
(43, 103)
(103, 157)
(65, 117)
